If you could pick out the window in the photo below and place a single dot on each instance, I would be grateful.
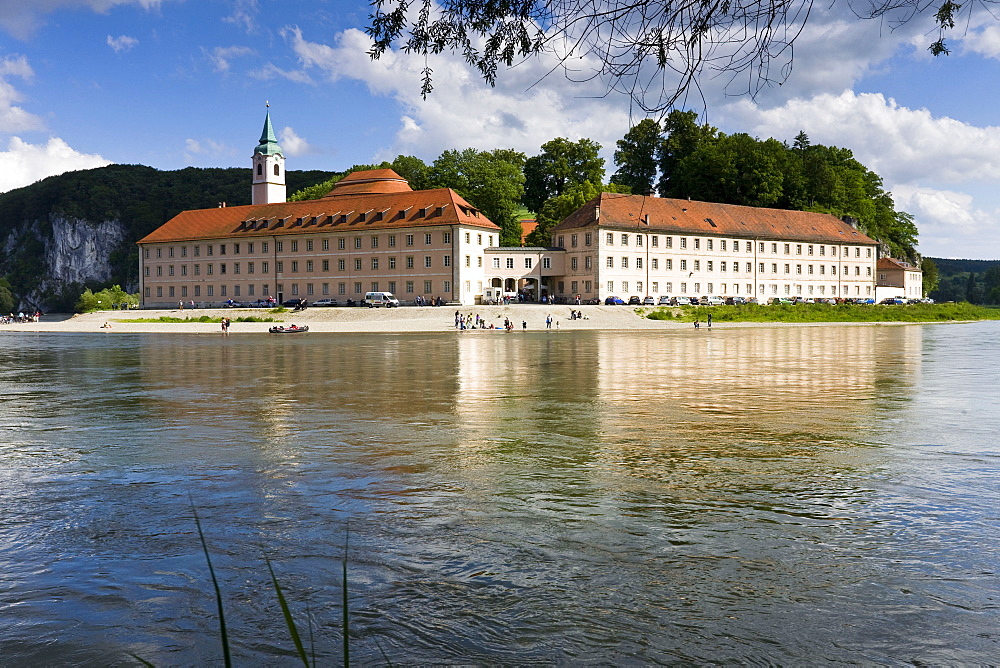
(170, 270)
(479, 240)
(392, 241)
(610, 262)
(427, 239)
(309, 288)
(357, 264)
(184, 251)
(447, 260)
(624, 240)
(869, 252)
(340, 265)
(170, 252)
(774, 248)
(547, 263)
(638, 242)
(409, 262)
(496, 263)
(669, 264)
(798, 269)
(684, 265)
(611, 286)
(527, 263)
(624, 286)
(222, 268)
(326, 265)
(822, 250)
(427, 261)
(708, 246)
(341, 243)
(655, 240)
(428, 288)
(374, 242)
(392, 264)
(409, 287)
(684, 242)
(697, 265)
(788, 249)
(374, 264)
(263, 249)
(669, 242)
(722, 266)
(357, 242)
(774, 268)
(357, 288)
(263, 268)
(684, 287)
(510, 263)
(572, 263)
(656, 264)
(326, 247)
(374, 286)
(468, 238)
(697, 244)
(341, 288)
(638, 264)
(798, 249)
(295, 246)
(587, 262)
(409, 239)
(295, 267)
(761, 268)
(309, 265)
(279, 247)
(709, 267)
(447, 240)
(573, 240)
(610, 241)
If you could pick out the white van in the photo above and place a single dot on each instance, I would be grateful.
(376, 299)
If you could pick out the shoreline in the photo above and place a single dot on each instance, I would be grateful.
(410, 319)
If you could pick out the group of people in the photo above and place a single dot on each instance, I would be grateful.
(576, 315)
(420, 300)
(20, 318)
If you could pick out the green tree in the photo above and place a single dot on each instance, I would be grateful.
(7, 300)
(413, 169)
(682, 137)
(492, 181)
(991, 285)
(636, 157)
(734, 169)
(561, 164)
(930, 275)
(558, 208)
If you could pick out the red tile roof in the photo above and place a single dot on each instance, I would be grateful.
(370, 181)
(888, 263)
(349, 213)
(677, 216)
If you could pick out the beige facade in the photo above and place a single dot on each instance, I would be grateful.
(637, 246)
(898, 279)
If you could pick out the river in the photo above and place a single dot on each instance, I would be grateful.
(789, 495)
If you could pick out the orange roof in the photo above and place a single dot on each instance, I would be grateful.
(889, 263)
(679, 216)
(370, 181)
(351, 213)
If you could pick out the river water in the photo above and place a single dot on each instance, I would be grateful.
(764, 495)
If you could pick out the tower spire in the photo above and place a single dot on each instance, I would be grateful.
(268, 166)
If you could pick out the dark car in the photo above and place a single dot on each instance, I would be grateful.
(614, 301)
(634, 301)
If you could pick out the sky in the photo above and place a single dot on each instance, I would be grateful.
(176, 83)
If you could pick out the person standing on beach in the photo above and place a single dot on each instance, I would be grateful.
(710, 321)
(548, 321)
(225, 326)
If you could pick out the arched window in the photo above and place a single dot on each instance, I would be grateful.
(260, 169)
(276, 169)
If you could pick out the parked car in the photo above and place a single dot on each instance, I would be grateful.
(325, 302)
(634, 301)
(664, 300)
(780, 300)
(290, 303)
(233, 304)
(614, 301)
(693, 301)
(649, 301)
(713, 301)
(265, 303)
(865, 301)
(735, 301)
(892, 300)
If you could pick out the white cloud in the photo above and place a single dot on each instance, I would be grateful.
(122, 43)
(463, 112)
(904, 146)
(14, 118)
(950, 222)
(292, 144)
(21, 17)
(221, 55)
(244, 15)
(208, 152)
(26, 163)
(272, 71)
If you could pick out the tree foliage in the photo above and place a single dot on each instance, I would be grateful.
(561, 164)
(559, 207)
(654, 51)
(492, 181)
(105, 300)
(636, 157)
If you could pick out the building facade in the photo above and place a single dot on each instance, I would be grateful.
(898, 279)
(630, 245)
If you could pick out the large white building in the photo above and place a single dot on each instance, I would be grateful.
(629, 245)
(372, 232)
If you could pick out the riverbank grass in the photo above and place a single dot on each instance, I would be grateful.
(805, 313)
(204, 318)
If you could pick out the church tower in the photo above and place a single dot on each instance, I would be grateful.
(268, 168)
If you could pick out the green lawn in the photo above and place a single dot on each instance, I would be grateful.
(828, 313)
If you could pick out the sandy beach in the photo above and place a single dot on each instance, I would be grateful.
(345, 319)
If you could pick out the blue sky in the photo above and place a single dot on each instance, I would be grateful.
(172, 83)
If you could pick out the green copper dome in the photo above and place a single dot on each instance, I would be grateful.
(268, 142)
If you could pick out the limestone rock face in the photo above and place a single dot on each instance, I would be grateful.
(79, 250)
(70, 252)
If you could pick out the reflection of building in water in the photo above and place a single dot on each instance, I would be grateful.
(755, 375)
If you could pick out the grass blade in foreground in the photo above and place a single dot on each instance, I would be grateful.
(288, 615)
(218, 593)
